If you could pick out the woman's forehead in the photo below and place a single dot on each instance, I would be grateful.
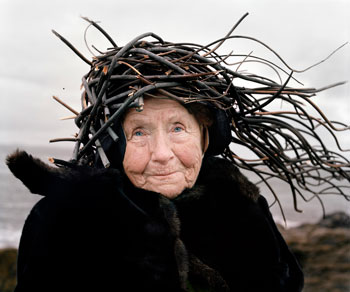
(154, 108)
(158, 105)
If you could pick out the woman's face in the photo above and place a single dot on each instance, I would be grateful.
(164, 147)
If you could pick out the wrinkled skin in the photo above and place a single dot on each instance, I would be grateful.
(164, 148)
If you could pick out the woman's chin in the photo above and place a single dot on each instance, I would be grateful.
(169, 191)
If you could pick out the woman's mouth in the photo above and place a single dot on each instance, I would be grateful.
(163, 174)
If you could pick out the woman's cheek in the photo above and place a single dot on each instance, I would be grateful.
(136, 158)
(190, 154)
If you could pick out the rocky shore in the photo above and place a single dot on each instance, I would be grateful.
(8, 259)
(322, 249)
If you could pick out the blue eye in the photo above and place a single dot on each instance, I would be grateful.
(138, 133)
(177, 129)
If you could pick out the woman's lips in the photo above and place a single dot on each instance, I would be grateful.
(163, 174)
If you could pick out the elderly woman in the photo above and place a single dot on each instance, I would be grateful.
(152, 199)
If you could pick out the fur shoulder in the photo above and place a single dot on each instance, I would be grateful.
(41, 178)
(218, 171)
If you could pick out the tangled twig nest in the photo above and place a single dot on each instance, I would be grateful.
(286, 143)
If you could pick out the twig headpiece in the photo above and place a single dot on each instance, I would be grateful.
(286, 143)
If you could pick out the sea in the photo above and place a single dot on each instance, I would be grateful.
(16, 201)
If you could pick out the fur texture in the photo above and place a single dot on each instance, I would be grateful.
(94, 231)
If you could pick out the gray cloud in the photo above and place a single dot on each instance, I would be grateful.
(35, 65)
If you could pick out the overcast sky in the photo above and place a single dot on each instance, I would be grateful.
(36, 65)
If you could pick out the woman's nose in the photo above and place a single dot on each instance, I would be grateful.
(161, 148)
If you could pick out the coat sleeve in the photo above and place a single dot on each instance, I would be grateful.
(61, 248)
(261, 259)
(238, 237)
(295, 279)
(32, 265)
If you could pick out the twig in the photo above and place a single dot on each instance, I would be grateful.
(65, 105)
(80, 55)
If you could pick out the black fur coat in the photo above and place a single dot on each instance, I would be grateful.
(94, 231)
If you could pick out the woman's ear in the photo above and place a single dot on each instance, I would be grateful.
(205, 139)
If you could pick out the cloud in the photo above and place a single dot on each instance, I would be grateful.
(36, 65)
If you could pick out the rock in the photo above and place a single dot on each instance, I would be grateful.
(323, 251)
(8, 259)
(335, 220)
